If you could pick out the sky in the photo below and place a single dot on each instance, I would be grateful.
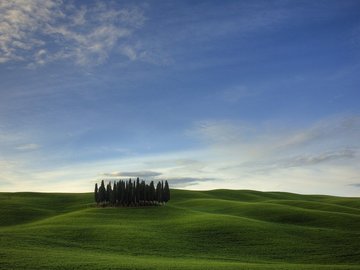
(261, 95)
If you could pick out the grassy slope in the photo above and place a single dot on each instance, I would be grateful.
(218, 229)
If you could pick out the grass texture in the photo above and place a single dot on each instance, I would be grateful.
(219, 229)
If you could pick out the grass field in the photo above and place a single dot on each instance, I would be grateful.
(219, 229)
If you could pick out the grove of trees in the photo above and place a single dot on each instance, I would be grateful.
(131, 193)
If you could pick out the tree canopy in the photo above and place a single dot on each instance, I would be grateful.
(131, 193)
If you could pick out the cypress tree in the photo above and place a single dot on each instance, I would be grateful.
(158, 192)
(137, 189)
(143, 191)
(166, 192)
(162, 191)
(102, 192)
(126, 185)
(122, 192)
(108, 192)
(117, 192)
(113, 194)
(130, 192)
(152, 191)
(96, 194)
(147, 193)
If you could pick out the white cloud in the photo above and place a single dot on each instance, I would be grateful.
(129, 52)
(20, 21)
(42, 31)
(27, 147)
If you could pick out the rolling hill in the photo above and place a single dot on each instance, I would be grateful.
(218, 229)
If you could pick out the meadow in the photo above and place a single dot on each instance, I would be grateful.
(218, 229)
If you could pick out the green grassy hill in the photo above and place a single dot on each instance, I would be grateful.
(219, 229)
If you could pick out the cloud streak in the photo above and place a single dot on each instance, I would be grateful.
(183, 182)
(43, 31)
(309, 160)
(145, 174)
(27, 147)
(299, 161)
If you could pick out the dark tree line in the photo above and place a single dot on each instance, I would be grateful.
(131, 193)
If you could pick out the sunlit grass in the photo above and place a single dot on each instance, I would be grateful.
(219, 229)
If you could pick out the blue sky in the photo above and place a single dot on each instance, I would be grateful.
(207, 94)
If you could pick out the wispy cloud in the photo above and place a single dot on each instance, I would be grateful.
(183, 182)
(302, 161)
(219, 131)
(281, 157)
(27, 147)
(334, 129)
(231, 155)
(43, 31)
(236, 93)
(307, 160)
(145, 174)
(341, 131)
